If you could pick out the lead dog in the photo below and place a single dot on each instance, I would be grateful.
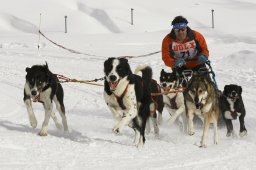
(42, 86)
(128, 96)
(232, 106)
(201, 95)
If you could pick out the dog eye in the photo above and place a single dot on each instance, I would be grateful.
(119, 68)
(32, 80)
(200, 91)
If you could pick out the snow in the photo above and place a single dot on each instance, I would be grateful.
(104, 29)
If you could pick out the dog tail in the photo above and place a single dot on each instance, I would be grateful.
(146, 75)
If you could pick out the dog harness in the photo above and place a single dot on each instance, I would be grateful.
(120, 98)
(234, 113)
(152, 97)
(173, 102)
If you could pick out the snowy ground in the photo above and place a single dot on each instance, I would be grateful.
(105, 30)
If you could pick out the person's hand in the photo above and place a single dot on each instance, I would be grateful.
(202, 59)
(180, 62)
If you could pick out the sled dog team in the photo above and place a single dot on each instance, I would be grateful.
(130, 100)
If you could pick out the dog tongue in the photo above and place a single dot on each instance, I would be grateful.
(113, 85)
(35, 98)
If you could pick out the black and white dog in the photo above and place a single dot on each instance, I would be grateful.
(128, 96)
(232, 106)
(174, 102)
(42, 86)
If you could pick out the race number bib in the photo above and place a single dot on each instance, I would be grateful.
(186, 51)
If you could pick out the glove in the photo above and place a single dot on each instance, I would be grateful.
(202, 59)
(180, 62)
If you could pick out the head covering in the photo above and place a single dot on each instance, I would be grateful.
(179, 22)
(180, 25)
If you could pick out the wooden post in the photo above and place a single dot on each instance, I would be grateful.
(212, 18)
(132, 16)
(65, 24)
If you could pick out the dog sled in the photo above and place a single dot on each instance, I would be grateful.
(185, 75)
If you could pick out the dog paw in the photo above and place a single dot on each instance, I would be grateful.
(160, 119)
(147, 131)
(42, 133)
(116, 130)
(243, 133)
(33, 122)
(202, 145)
(148, 128)
(156, 131)
(228, 134)
(140, 143)
(58, 126)
(191, 132)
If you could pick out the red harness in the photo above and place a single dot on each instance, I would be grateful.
(120, 98)
(37, 99)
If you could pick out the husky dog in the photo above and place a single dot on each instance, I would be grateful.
(174, 102)
(42, 86)
(232, 106)
(201, 95)
(128, 96)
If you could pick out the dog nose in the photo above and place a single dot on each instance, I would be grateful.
(34, 93)
(196, 100)
(233, 93)
(112, 78)
(164, 85)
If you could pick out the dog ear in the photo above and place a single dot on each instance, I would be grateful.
(162, 72)
(109, 60)
(46, 65)
(107, 64)
(240, 90)
(225, 90)
(123, 60)
(27, 69)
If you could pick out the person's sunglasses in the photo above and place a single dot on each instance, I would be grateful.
(181, 29)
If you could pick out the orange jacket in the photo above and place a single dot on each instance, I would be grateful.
(193, 46)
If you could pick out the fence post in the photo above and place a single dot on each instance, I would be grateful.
(132, 16)
(212, 19)
(66, 24)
